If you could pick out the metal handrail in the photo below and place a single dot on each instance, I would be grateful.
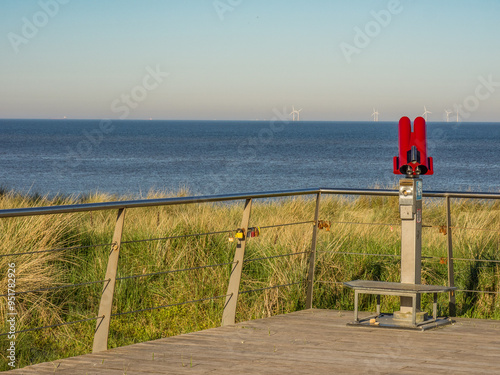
(51, 210)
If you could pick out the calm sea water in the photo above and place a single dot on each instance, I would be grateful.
(214, 157)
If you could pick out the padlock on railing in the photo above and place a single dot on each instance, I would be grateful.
(240, 234)
(323, 224)
(254, 232)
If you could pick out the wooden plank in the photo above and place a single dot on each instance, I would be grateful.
(305, 342)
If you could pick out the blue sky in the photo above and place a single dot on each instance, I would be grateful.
(242, 59)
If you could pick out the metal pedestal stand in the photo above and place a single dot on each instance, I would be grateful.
(409, 316)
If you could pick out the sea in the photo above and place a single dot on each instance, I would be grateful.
(136, 157)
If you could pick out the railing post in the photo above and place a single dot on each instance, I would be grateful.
(312, 257)
(451, 277)
(229, 314)
(102, 326)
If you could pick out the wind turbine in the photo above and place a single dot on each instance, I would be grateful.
(447, 115)
(375, 115)
(295, 112)
(298, 114)
(425, 113)
(292, 113)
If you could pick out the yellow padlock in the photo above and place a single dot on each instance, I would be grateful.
(240, 234)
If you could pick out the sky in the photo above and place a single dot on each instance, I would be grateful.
(250, 59)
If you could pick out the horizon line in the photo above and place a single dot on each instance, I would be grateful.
(226, 120)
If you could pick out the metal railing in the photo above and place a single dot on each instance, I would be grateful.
(105, 314)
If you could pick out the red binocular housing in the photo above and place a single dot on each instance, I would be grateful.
(412, 160)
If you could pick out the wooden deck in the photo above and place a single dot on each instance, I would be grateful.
(305, 342)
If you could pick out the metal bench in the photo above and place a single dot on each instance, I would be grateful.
(396, 289)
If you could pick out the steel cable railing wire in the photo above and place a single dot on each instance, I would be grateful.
(398, 256)
(288, 224)
(175, 271)
(478, 260)
(52, 326)
(170, 305)
(423, 226)
(270, 287)
(181, 236)
(423, 257)
(110, 244)
(356, 253)
(58, 287)
(209, 233)
(481, 229)
(330, 282)
(55, 250)
(476, 291)
(145, 240)
(275, 256)
(355, 222)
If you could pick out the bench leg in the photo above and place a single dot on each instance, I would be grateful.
(434, 306)
(414, 310)
(356, 319)
(378, 304)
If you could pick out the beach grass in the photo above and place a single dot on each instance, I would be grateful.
(348, 251)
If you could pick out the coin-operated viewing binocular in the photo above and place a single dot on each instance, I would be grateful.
(412, 160)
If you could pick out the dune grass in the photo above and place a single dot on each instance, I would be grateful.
(85, 237)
